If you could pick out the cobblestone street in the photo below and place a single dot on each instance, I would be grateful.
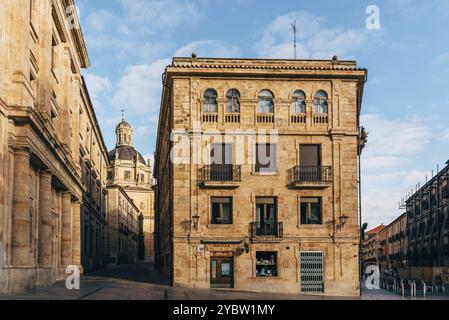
(140, 281)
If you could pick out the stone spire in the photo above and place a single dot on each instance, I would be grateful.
(124, 132)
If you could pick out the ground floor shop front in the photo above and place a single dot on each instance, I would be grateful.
(318, 268)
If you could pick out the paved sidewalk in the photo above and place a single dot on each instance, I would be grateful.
(140, 281)
(96, 288)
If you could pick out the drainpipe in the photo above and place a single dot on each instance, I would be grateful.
(360, 188)
(360, 218)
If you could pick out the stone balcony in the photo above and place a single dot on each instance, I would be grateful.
(233, 117)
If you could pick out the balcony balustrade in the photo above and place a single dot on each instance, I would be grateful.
(220, 176)
(210, 117)
(266, 229)
(310, 176)
(320, 118)
(232, 117)
(265, 118)
(298, 118)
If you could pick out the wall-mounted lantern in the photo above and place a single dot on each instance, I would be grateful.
(343, 220)
(195, 220)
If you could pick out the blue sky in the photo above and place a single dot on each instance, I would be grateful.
(405, 107)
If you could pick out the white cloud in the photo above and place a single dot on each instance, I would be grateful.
(142, 30)
(209, 48)
(381, 162)
(445, 135)
(101, 20)
(388, 160)
(140, 86)
(147, 17)
(442, 59)
(382, 193)
(139, 89)
(99, 89)
(314, 40)
(97, 84)
(164, 15)
(396, 138)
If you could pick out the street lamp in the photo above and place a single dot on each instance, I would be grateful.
(246, 247)
(195, 220)
(343, 220)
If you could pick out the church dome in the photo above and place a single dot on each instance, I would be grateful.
(124, 149)
(125, 152)
(123, 124)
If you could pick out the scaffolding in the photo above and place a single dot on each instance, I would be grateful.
(427, 228)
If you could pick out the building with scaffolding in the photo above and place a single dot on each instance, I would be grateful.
(416, 244)
(428, 223)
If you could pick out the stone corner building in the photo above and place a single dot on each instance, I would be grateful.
(53, 159)
(132, 174)
(278, 213)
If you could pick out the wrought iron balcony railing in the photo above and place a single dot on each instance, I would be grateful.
(267, 229)
(310, 174)
(220, 172)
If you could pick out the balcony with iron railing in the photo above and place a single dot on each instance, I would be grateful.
(310, 177)
(220, 176)
(266, 230)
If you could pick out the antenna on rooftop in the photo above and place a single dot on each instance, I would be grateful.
(294, 38)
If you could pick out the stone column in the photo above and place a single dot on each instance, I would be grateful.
(66, 230)
(45, 252)
(21, 216)
(76, 233)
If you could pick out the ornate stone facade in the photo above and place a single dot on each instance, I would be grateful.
(129, 170)
(287, 225)
(52, 156)
(124, 226)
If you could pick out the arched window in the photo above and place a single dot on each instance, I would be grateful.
(266, 104)
(210, 100)
(299, 102)
(233, 101)
(320, 101)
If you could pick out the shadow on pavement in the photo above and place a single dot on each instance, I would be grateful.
(138, 272)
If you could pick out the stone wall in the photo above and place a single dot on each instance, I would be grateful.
(123, 226)
(53, 158)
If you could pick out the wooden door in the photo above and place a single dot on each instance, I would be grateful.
(222, 272)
